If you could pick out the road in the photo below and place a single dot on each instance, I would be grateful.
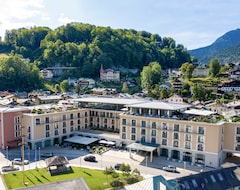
(107, 159)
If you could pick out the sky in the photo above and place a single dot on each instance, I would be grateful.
(192, 23)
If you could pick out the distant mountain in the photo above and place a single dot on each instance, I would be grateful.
(226, 49)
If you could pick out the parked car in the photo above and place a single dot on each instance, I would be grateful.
(18, 161)
(170, 168)
(90, 158)
(117, 166)
(47, 155)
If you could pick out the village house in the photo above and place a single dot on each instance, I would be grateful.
(109, 74)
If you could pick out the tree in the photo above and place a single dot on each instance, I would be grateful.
(64, 86)
(164, 93)
(187, 70)
(214, 67)
(125, 88)
(150, 76)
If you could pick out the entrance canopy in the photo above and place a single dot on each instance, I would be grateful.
(139, 146)
(81, 140)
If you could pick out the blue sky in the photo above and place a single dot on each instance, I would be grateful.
(193, 23)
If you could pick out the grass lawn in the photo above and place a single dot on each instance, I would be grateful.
(95, 179)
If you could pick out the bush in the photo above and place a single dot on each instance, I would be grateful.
(116, 183)
(115, 175)
(131, 180)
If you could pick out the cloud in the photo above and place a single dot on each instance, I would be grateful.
(18, 13)
(64, 19)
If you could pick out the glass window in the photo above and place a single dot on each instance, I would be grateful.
(200, 147)
(154, 133)
(188, 137)
(71, 116)
(143, 131)
(123, 129)
(143, 123)
(201, 130)
(123, 136)
(176, 127)
(124, 121)
(133, 137)
(220, 177)
(47, 119)
(213, 178)
(133, 122)
(175, 136)
(188, 129)
(37, 121)
(175, 143)
(187, 145)
(79, 115)
(164, 134)
(164, 141)
(153, 140)
(164, 126)
(133, 130)
(238, 130)
(47, 127)
(194, 182)
(154, 125)
(201, 139)
(64, 117)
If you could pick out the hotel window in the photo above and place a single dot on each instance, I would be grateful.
(238, 130)
(124, 121)
(164, 126)
(113, 121)
(187, 145)
(123, 129)
(188, 129)
(143, 132)
(123, 136)
(176, 127)
(175, 136)
(188, 137)
(71, 129)
(105, 121)
(164, 134)
(78, 115)
(154, 125)
(200, 147)
(78, 122)
(154, 133)
(86, 114)
(47, 120)
(64, 124)
(175, 143)
(153, 140)
(71, 116)
(143, 123)
(133, 130)
(201, 130)
(47, 134)
(133, 137)
(56, 132)
(143, 139)
(64, 117)
(164, 141)
(201, 139)
(64, 130)
(47, 127)
(71, 123)
(37, 121)
(133, 122)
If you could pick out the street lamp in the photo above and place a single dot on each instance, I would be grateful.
(7, 154)
(39, 155)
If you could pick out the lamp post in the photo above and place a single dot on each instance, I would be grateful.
(39, 156)
(7, 154)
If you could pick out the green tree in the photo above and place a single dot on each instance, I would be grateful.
(187, 70)
(64, 86)
(125, 88)
(214, 67)
(150, 76)
(164, 93)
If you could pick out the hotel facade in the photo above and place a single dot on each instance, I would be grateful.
(177, 131)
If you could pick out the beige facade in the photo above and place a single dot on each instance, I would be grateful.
(196, 139)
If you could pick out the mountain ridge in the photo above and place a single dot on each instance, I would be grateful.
(225, 49)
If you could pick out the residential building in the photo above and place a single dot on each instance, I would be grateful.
(201, 70)
(109, 74)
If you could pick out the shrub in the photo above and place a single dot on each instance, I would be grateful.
(116, 183)
(115, 175)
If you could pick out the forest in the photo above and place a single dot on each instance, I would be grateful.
(86, 47)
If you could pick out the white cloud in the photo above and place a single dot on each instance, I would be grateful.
(64, 19)
(18, 13)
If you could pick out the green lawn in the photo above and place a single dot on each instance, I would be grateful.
(95, 179)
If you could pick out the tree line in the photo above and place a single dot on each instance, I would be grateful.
(88, 46)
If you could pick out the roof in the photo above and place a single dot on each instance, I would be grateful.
(56, 161)
(122, 101)
(73, 184)
(199, 112)
(143, 147)
(161, 105)
(81, 140)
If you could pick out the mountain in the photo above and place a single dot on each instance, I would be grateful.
(226, 49)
